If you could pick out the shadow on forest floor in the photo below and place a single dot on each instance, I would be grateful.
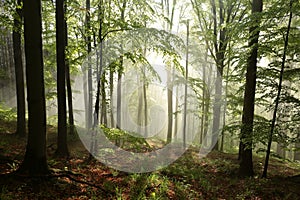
(213, 177)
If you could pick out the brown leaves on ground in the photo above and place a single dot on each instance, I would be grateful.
(213, 177)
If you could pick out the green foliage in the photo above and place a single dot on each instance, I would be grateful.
(126, 140)
(8, 114)
(5, 195)
(149, 186)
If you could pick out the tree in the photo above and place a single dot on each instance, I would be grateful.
(35, 161)
(19, 72)
(286, 42)
(88, 40)
(62, 148)
(168, 14)
(186, 84)
(215, 20)
(72, 127)
(246, 165)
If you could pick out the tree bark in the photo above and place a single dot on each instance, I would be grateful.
(186, 84)
(19, 73)
(103, 104)
(89, 66)
(120, 72)
(246, 164)
(170, 106)
(220, 46)
(111, 89)
(119, 94)
(145, 98)
(35, 161)
(62, 147)
(264, 175)
(72, 128)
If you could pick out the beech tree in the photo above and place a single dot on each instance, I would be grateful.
(246, 165)
(62, 148)
(19, 72)
(280, 85)
(35, 161)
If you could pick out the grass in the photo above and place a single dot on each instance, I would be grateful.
(213, 177)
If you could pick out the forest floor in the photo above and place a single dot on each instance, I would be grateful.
(213, 177)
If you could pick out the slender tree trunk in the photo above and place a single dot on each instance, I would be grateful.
(145, 99)
(84, 88)
(72, 127)
(100, 79)
(85, 96)
(186, 84)
(217, 111)
(111, 79)
(35, 161)
(111, 89)
(220, 48)
(19, 73)
(166, 11)
(62, 147)
(140, 106)
(89, 65)
(120, 72)
(225, 105)
(246, 164)
(103, 93)
(170, 106)
(119, 93)
(176, 115)
(286, 43)
(203, 99)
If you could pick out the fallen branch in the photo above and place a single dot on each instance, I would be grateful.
(65, 175)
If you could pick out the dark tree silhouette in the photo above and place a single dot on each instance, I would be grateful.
(246, 165)
(62, 148)
(286, 42)
(35, 161)
(19, 72)
(72, 127)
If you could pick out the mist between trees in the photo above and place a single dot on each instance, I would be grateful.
(201, 73)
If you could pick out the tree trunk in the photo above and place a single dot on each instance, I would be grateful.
(170, 106)
(89, 66)
(203, 98)
(186, 84)
(246, 164)
(99, 66)
(225, 105)
(140, 106)
(120, 71)
(220, 48)
(145, 99)
(264, 175)
(111, 89)
(103, 106)
(119, 93)
(85, 96)
(72, 128)
(176, 111)
(35, 161)
(62, 147)
(19, 73)
(217, 111)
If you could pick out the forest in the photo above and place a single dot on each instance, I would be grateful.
(149, 99)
